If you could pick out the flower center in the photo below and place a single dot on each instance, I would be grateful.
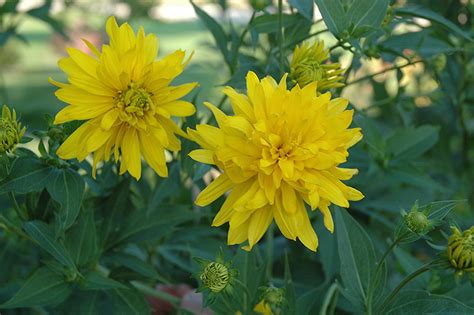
(215, 276)
(314, 70)
(134, 103)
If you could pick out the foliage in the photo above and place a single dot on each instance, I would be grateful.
(101, 246)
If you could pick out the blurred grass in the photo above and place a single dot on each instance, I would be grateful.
(26, 85)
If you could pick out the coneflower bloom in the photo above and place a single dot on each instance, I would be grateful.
(280, 150)
(124, 96)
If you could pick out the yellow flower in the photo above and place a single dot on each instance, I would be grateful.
(11, 131)
(307, 65)
(281, 149)
(461, 250)
(263, 308)
(125, 97)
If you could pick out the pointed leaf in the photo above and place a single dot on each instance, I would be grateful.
(26, 175)
(129, 302)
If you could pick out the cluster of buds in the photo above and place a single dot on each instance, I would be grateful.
(461, 250)
(11, 131)
(309, 65)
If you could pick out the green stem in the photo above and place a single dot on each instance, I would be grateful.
(269, 248)
(332, 291)
(382, 72)
(280, 33)
(17, 208)
(146, 290)
(10, 226)
(404, 282)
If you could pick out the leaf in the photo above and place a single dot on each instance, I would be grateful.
(311, 300)
(410, 142)
(81, 239)
(440, 209)
(97, 281)
(418, 11)
(135, 264)
(44, 236)
(43, 288)
(66, 187)
(165, 188)
(26, 175)
(421, 302)
(42, 13)
(357, 257)
(304, 7)
(129, 302)
(290, 294)
(359, 19)
(269, 23)
(217, 31)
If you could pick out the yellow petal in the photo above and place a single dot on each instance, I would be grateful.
(259, 223)
(153, 153)
(214, 190)
(179, 108)
(203, 156)
(109, 119)
(131, 153)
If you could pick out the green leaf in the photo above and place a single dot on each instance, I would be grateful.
(358, 19)
(421, 302)
(311, 300)
(217, 31)
(290, 294)
(97, 281)
(44, 236)
(410, 142)
(26, 175)
(304, 7)
(135, 264)
(42, 13)
(66, 187)
(269, 23)
(44, 287)
(422, 12)
(422, 42)
(357, 257)
(81, 239)
(129, 302)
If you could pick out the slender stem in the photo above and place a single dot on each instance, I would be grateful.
(382, 72)
(404, 282)
(10, 226)
(269, 248)
(143, 288)
(280, 34)
(328, 298)
(17, 208)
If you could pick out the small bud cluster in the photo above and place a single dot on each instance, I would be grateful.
(11, 131)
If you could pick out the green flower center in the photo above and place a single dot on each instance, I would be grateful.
(215, 276)
(134, 103)
(417, 221)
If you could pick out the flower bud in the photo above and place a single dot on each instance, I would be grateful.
(307, 66)
(11, 131)
(461, 250)
(417, 221)
(215, 277)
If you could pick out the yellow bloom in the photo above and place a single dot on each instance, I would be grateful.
(281, 149)
(11, 131)
(125, 97)
(307, 65)
(461, 250)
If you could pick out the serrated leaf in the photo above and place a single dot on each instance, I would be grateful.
(67, 188)
(421, 302)
(357, 257)
(43, 288)
(44, 236)
(26, 175)
(129, 302)
(333, 14)
(269, 23)
(215, 28)
(304, 7)
(97, 281)
(81, 239)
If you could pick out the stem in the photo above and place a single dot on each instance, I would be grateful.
(328, 298)
(280, 34)
(10, 226)
(383, 71)
(269, 248)
(17, 208)
(404, 282)
(143, 288)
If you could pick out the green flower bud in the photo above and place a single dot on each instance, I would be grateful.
(417, 221)
(273, 297)
(215, 276)
(11, 131)
(308, 65)
(461, 250)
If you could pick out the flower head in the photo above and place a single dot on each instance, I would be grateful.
(124, 96)
(307, 66)
(215, 276)
(280, 150)
(418, 221)
(11, 131)
(461, 250)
